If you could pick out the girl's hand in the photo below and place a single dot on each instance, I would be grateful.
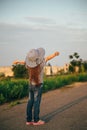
(56, 53)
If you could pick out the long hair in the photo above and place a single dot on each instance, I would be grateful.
(34, 74)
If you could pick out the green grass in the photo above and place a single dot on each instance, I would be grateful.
(14, 89)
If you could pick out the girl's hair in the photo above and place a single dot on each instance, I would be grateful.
(34, 74)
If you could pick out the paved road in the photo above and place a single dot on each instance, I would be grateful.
(62, 109)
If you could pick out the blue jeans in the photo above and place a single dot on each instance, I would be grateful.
(35, 94)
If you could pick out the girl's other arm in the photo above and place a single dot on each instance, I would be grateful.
(51, 56)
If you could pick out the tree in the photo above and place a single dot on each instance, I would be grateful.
(75, 63)
(85, 65)
(76, 55)
(20, 71)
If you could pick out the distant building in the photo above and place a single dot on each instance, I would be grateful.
(7, 70)
(48, 70)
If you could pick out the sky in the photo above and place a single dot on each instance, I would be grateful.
(55, 25)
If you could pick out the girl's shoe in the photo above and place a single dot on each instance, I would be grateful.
(29, 123)
(40, 122)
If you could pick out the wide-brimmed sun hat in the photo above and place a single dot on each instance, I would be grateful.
(35, 57)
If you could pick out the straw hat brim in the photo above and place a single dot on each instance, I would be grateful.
(33, 63)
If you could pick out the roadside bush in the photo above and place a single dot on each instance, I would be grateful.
(82, 77)
(13, 89)
(62, 80)
(2, 99)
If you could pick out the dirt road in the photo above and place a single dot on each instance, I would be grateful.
(62, 109)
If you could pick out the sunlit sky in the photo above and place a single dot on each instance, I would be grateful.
(55, 25)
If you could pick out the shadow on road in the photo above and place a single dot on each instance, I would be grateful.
(49, 116)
